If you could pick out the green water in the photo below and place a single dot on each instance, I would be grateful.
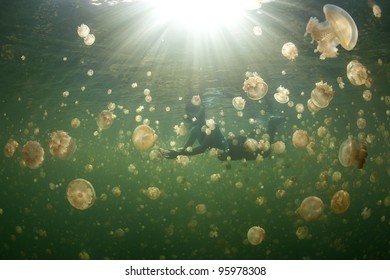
(38, 222)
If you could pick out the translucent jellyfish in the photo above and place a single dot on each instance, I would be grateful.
(81, 194)
(144, 137)
(255, 235)
(61, 144)
(356, 73)
(312, 107)
(340, 202)
(322, 94)
(105, 119)
(153, 193)
(183, 160)
(279, 147)
(281, 95)
(257, 30)
(311, 208)
(352, 153)
(300, 138)
(250, 145)
(376, 10)
(339, 28)
(83, 30)
(10, 148)
(302, 232)
(200, 209)
(367, 95)
(32, 154)
(116, 191)
(75, 123)
(255, 87)
(290, 51)
(238, 103)
(89, 39)
(196, 100)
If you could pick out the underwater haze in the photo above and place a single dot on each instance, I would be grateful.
(79, 76)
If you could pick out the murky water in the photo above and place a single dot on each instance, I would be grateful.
(195, 216)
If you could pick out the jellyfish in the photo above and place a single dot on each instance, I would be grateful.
(255, 235)
(105, 119)
(61, 144)
(250, 145)
(144, 137)
(75, 123)
(200, 209)
(32, 154)
(238, 103)
(89, 39)
(352, 153)
(10, 148)
(339, 28)
(322, 94)
(311, 208)
(80, 194)
(356, 73)
(196, 100)
(279, 147)
(83, 30)
(290, 51)
(312, 107)
(300, 138)
(153, 193)
(340, 202)
(302, 232)
(281, 95)
(255, 87)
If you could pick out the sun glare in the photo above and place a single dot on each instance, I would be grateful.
(199, 14)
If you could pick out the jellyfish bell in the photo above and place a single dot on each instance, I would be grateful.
(255, 235)
(89, 39)
(322, 94)
(311, 208)
(281, 95)
(339, 28)
(32, 154)
(250, 145)
(83, 30)
(238, 103)
(312, 107)
(81, 194)
(105, 119)
(61, 144)
(340, 202)
(290, 51)
(352, 153)
(10, 148)
(144, 137)
(152, 193)
(255, 87)
(300, 139)
(357, 73)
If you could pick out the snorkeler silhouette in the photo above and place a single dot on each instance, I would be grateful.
(235, 148)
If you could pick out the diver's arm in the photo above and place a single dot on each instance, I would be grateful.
(171, 154)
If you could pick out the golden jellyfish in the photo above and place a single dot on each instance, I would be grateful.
(75, 123)
(200, 209)
(196, 100)
(83, 30)
(377, 11)
(61, 144)
(302, 232)
(250, 145)
(81, 194)
(153, 193)
(105, 119)
(300, 138)
(255, 235)
(281, 95)
(32, 154)
(339, 28)
(279, 147)
(238, 103)
(311, 208)
(89, 39)
(255, 87)
(10, 148)
(313, 108)
(290, 51)
(144, 137)
(357, 73)
(352, 153)
(340, 202)
(322, 94)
